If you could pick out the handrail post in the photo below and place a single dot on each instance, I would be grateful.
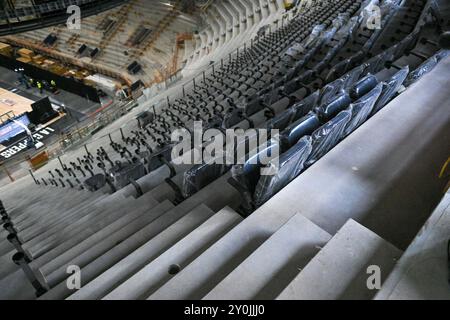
(32, 175)
(19, 259)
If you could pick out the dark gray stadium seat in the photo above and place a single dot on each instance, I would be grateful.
(156, 161)
(337, 104)
(422, 70)
(200, 176)
(363, 86)
(303, 127)
(290, 165)
(122, 174)
(306, 105)
(362, 109)
(95, 182)
(390, 89)
(281, 121)
(328, 136)
(245, 177)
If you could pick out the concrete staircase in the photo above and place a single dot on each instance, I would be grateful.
(339, 271)
(140, 248)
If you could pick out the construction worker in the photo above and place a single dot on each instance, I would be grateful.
(40, 87)
(53, 86)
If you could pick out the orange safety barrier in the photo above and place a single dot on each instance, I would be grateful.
(39, 160)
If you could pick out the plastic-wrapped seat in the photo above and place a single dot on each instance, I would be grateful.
(314, 36)
(390, 89)
(372, 40)
(214, 122)
(339, 69)
(363, 86)
(375, 64)
(290, 74)
(307, 104)
(343, 83)
(95, 182)
(329, 110)
(442, 54)
(123, 174)
(422, 70)
(244, 178)
(331, 90)
(274, 94)
(328, 136)
(302, 127)
(295, 50)
(145, 118)
(334, 51)
(281, 121)
(290, 165)
(201, 176)
(426, 67)
(297, 111)
(356, 59)
(299, 65)
(298, 83)
(362, 109)
(350, 28)
(410, 42)
(156, 160)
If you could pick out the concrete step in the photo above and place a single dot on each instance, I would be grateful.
(100, 242)
(159, 235)
(36, 213)
(340, 269)
(139, 258)
(37, 210)
(7, 265)
(43, 214)
(70, 221)
(422, 272)
(198, 278)
(158, 271)
(5, 246)
(106, 222)
(260, 278)
(163, 191)
(36, 228)
(96, 218)
(32, 231)
(16, 286)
